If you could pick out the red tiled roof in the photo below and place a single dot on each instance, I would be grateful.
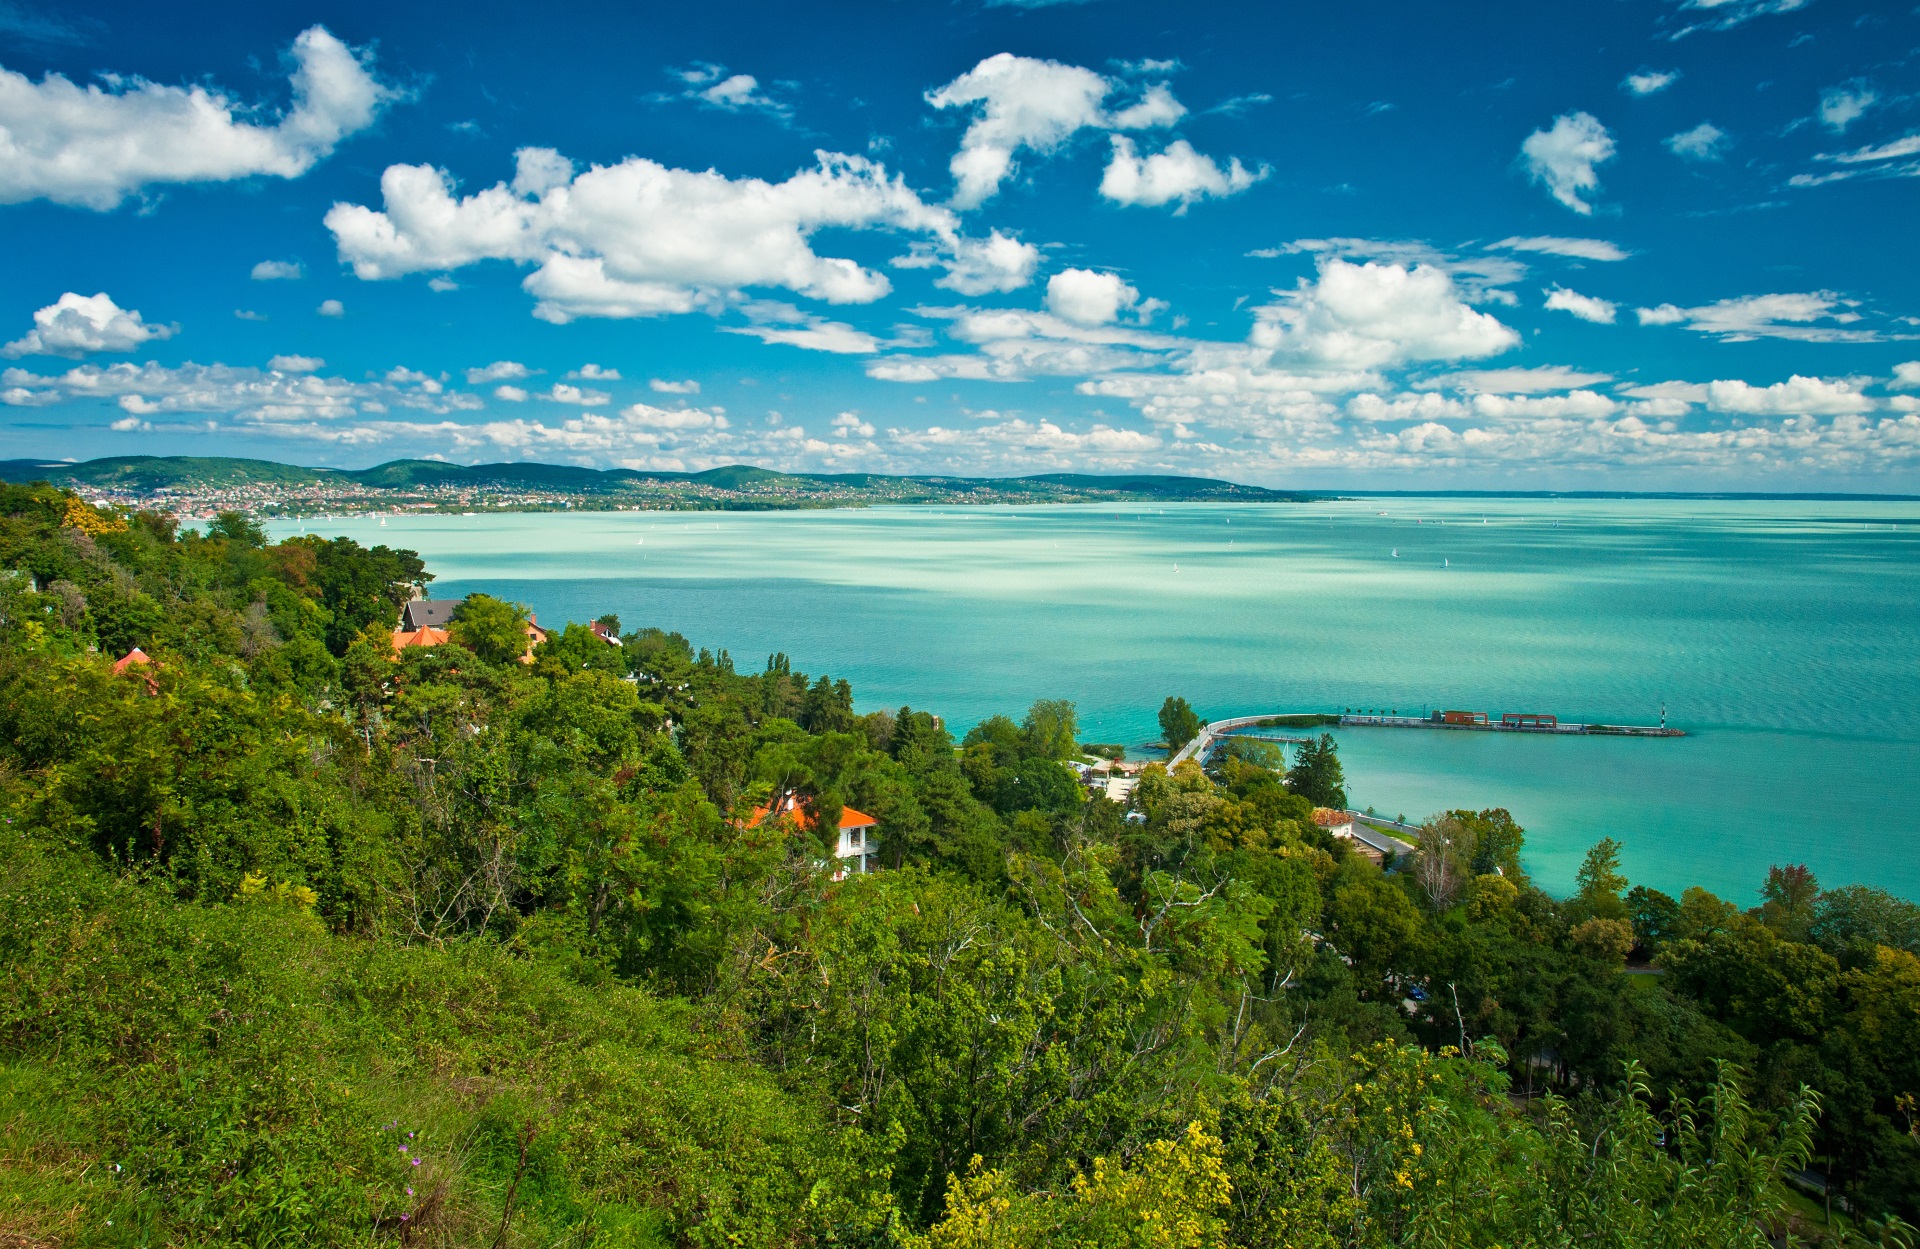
(1327, 817)
(802, 814)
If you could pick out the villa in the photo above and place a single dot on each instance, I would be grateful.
(857, 846)
(428, 621)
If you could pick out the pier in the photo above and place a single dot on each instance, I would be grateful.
(1212, 734)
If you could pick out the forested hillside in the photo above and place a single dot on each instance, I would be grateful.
(301, 943)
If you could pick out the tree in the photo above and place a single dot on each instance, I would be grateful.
(1600, 881)
(1316, 774)
(1051, 730)
(1787, 900)
(1179, 723)
(491, 628)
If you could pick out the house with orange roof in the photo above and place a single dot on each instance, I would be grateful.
(140, 664)
(857, 846)
(428, 622)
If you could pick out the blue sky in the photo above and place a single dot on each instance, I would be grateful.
(1619, 244)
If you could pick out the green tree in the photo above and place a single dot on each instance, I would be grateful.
(1600, 882)
(1316, 774)
(1179, 723)
(1051, 730)
(491, 628)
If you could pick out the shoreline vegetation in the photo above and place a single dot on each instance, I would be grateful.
(307, 938)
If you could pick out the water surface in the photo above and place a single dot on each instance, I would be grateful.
(1781, 635)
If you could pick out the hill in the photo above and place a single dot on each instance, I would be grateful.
(188, 482)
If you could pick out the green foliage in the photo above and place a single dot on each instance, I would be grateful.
(491, 628)
(303, 942)
(1179, 722)
(1316, 774)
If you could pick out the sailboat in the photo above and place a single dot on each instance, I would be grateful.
(1396, 552)
(1446, 563)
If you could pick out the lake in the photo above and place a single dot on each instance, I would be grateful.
(1783, 636)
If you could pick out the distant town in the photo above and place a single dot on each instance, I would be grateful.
(195, 487)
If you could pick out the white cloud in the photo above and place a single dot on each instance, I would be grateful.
(254, 396)
(245, 314)
(813, 333)
(498, 371)
(1089, 298)
(277, 271)
(296, 364)
(76, 325)
(849, 425)
(1649, 81)
(1177, 173)
(594, 373)
(511, 394)
(1586, 307)
(639, 239)
(1907, 374)
(1768, 316)
(1797, 396)
(1025, 104)
(1843, 105)
(996, 264)
(441, 284)
(1478, 276)
(1563, 158)
(331, 308)
(1516, 381)
(1907, 145)
(1727, 14)
(92, 147)
(1705, 141)
(561, 392)
(713, 87)
(1578, 249)
(1371, 315)
(666, 387)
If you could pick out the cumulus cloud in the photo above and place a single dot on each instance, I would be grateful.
(1175, 174)
(253, 396)
(639, 239)
(1797, 396)
(1022, 104)
(296, 364)
(93, 146)
(1480, 277)
(1794, 317)
(1843, 105)
(593, 373)
(1577, 249)
(331, 308)
(1705, 141)
(511, 394)
(1563, 158)
(1089, 298)
(561, 392)
(1906, 374)
(77, 325)
(665, 386)
(1372, 315)
(498, 371)
(994, 265)
(1649, 81)
(1586, 307)
(277, 271)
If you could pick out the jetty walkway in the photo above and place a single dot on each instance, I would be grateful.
(1212, 734)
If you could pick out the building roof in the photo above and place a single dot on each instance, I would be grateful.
(1328, 817)
(802, 814)
(428, 613)
(131, 658)
(403, 638)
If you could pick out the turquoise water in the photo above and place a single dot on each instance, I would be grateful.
(1781, 635)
